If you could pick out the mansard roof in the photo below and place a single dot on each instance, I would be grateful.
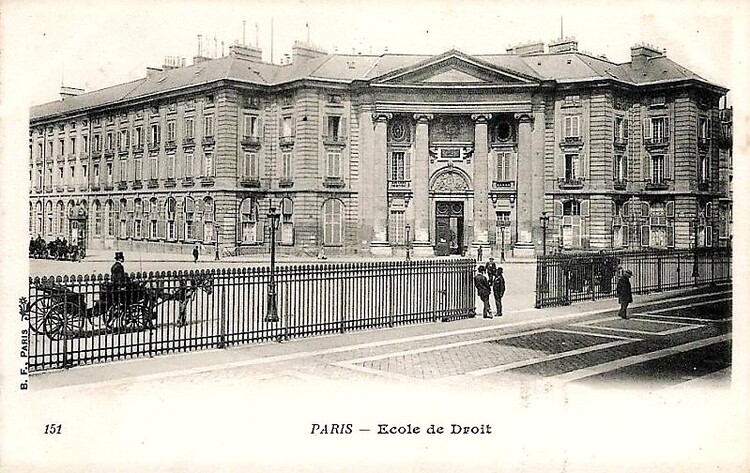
(450, 68)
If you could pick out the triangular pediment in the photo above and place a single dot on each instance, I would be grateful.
(453, 68)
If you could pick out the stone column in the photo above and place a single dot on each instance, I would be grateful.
(524, 246)
(421, 186)
(481, 183)
(379, 205)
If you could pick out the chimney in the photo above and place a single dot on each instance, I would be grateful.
(152, 71)
(534, 47)
(66, 92)
(302, 52)
(251, 53)
(641, 53)
(563, 45)
(173, 62)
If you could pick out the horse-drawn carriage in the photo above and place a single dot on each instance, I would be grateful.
(58, 311)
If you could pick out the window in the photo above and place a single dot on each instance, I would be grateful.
(287, 224)
(139, 137)
(84, 172)
(572, 126)
(208, 169)
(333, 127)
(153, 168)
(332, 222)
(123, 219)
(658, 101)
(153, 216)
(61, 173)
(572, 167)
(170, 207)
(208, 126)
(123, 170)
(96, 174)
(657, 169)
(138, 169)
(249, 221)
(703, 169)
(189, 165)
(60, 220)
(85, 143)
(621, 132)
(110, 141)
(286, 166)
(704, 132)
(399, 166)
(124, 140)
(571, 224)
(250, 166)
(208, 220)
(72, 180)
(170, 130)
(73, 144)
(397, 227)
(97, 218)
(189, 128)
(251, 126)
(619, 172)
(171, 165)
(97, 143)
(62, 146)
(503, 165)
(656, 130)
(138, 219)
(333, 164)
(155, 135)
(572, 101)
(286, 127)
(189, 218)
(111, 218)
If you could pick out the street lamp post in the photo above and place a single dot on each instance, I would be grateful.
(544, 219)
(408, 242)
(696, 274)
(272, 312)
(216, 239)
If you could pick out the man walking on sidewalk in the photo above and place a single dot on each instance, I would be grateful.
(624, 293)
(483, 289)
(498, 288)
(491, 269)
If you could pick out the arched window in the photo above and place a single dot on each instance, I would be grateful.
(111, 219)
(97, 211)
(208, 220)
(249, 225)
(573, 226)
(138, 219)
(39, 218)
(68, 230)
(287, 222)
(189, 214)
(153, 219)
(333, 211)
(170, 207)
(123, 219)
(60, 219)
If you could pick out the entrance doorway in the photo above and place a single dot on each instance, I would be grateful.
(449, 228)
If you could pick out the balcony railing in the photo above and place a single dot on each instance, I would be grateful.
(286, 141)
(656, 141)
(571, 183)
(250, 141)
(208, 141)
(620, 185)
(170, 144)
(286, 182)
(153, 183)
(333, 182)
(399, 184)
(137, 185)
(503, 184)
(656, 185)
(122, 185)
(170, 182)
(188, 182)
(250, 182)
(334, 140)
(188, 141)
(207, 181)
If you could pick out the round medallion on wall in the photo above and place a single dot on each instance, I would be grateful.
(399, 131)
(504, 131)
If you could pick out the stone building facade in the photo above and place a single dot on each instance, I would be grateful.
(369, 154)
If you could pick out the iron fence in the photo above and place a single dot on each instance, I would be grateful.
(76, 320)
(565, 278)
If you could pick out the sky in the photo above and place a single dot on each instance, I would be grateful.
(90, 44)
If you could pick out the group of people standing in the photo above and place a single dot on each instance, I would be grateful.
(491, 283)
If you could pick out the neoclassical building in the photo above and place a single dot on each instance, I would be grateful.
(367, 154)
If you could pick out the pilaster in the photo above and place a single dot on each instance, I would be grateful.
(379, 204)
(481, 180)
(420, 183)
(524, 245)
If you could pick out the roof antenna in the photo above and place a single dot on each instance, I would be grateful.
(256, 34)
(243, 32)
(199, 44)
(561, 27)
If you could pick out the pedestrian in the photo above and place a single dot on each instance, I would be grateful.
(118, 270)
(195, 254)
(624, 293)
(483, 289)
(498, 289)
(479, 254)
(491, 269)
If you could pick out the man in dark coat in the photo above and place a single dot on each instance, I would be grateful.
(498, 288)
(483, 289)
(624, 293)
(491, 269)
(117, 270)
(195, 254)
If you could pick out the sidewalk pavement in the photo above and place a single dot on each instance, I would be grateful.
(179, 364)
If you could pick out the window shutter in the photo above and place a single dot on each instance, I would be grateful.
(625, 126)
(326, 121)
(584, 233)
(645, 234)
(560, 165)
(668, 166)
(407, 166)
(294, 125)
(646, 167)
(576, 231)
(161, 224)
(179, 223)
(670, 209)
(198, 227)
(709, 235)
(585, 208)
(666, 128)
(625, 235)
(709, 131)
(342, 126)
(647, 129)
(557, 208)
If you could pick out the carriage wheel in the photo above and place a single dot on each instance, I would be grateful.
(140, 316)
(114, 316)
(38, 313)
(63, 320)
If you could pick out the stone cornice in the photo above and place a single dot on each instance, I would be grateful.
(423, 117)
